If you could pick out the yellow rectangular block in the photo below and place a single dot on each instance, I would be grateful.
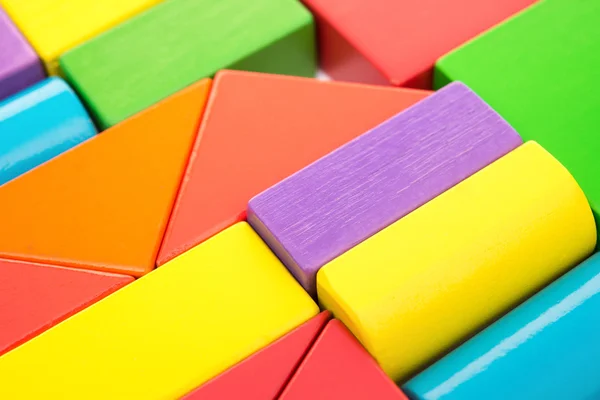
(55, 26)
(419, 287)
(168, 332)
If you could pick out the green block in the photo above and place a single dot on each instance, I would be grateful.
(541, 71)
(179, 42)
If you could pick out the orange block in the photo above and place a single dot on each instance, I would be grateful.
(105, 204)
(258, 129)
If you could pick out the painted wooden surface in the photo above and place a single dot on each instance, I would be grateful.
(457, 263)
(352, 193)
(181, 41)
(168, 332)
(258, 129)
(55, 26)
(105, 204)
(38, 124)
(541, 71)
(19, 65)
(397, 42)
(338, 367)
(263, 375)
(546, 348)
(35, 297)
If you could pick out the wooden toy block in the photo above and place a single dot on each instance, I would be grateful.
(263, 375)
(20, 67)
(38, 124)
(340, 200)
(454, 265)
(546, 348)
(181, 41)
(55, 26)
(338, 367)
(168, 332)
(397, 42)
(105, 204)
(259, 129)
(539, 70)
(35, 297)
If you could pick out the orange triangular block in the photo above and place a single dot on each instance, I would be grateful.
(259, 129)
(104, 204)
(35, 297)
(263, 375)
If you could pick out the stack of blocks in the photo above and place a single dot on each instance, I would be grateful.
(187, 213)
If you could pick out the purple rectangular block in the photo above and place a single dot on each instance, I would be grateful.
(340, 200)
(20, 66)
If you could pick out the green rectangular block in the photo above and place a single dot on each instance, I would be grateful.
(541, 71)
(178, 42)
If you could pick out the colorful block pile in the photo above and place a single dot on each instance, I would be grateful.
(187, 213)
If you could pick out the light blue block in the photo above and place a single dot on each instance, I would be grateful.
(547, 348)
(38, 124)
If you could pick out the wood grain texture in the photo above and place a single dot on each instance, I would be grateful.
(257, 130)
(338, 367)
(547, 348)
(541, 71)
(39, 123)
(35, 297)
(182, 41)
(168, 332)
(55, 26)
(398, 42)
(19, 65)
(264, 374)
(104, 204)
(340, 200)
(413, 291)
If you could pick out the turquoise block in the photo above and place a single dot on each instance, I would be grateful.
(38, 124)
(548, 348)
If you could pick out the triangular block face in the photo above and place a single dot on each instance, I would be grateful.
(263, 375)
(259, 129)
(338, 367)
(35, 297)
(104, 204)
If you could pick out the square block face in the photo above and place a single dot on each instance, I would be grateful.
(19, 65)
(547, 348)
(167, 333)
(182, 41)
(457, 263)
(397, 42)
(355, 191)
(541, 71)
(55, 26)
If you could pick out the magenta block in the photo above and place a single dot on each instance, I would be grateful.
(332, 205)
(20, 66)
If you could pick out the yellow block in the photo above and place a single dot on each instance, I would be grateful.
(428, 281)
(168, 332)
(55, 26)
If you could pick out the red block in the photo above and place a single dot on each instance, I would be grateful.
(397, 42)
(35, 297)
(263, 375)
(259, 129)
(338, 367)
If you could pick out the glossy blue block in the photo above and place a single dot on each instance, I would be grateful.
(38, 124)
(547, 348)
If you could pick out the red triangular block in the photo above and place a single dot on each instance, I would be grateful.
(259, 129)
(35, 297)
(263, 375)
(338, 367)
